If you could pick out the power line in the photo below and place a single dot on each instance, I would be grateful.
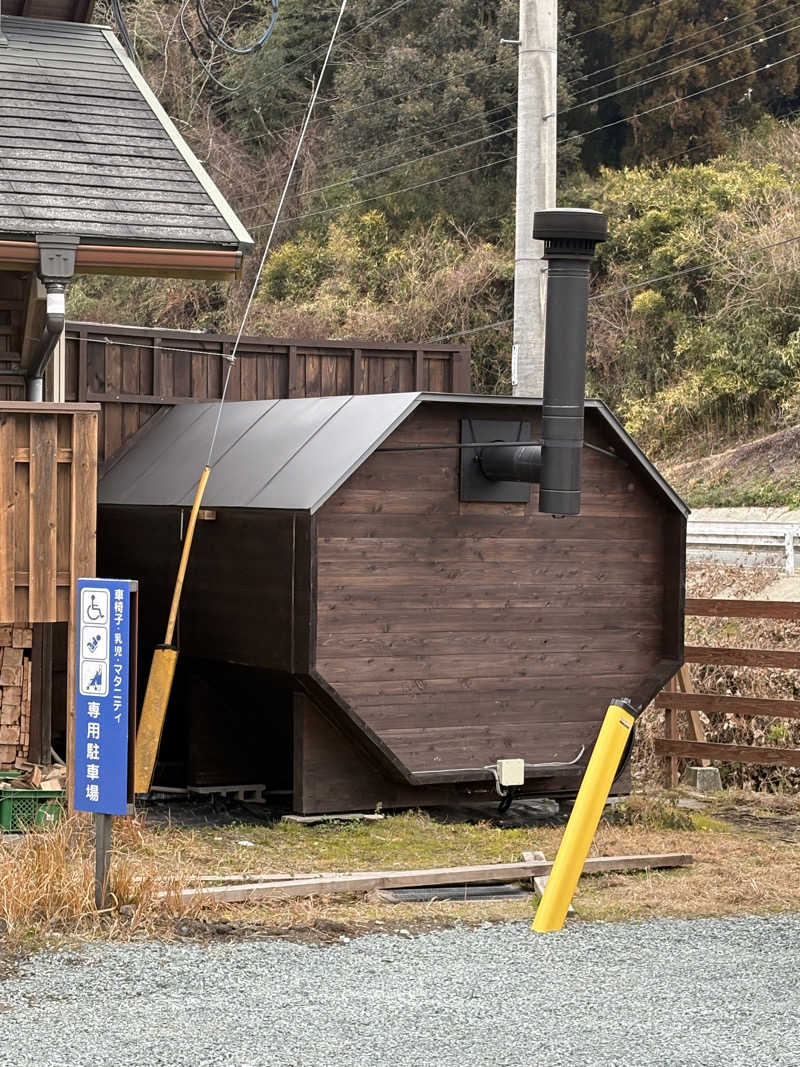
(217, 38)
(273, 76)
(625, 288)
(678, 100)
(671, 55)
(428, 130)
(408, 91)
(622, 18)
(232, 357)
(395, 166)
(761, 39)
(193, 49)
(395, 192)
(657, 107)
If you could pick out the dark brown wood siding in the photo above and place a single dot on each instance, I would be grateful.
(136, 372)
(464, 632)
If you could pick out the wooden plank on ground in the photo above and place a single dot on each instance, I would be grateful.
(717, 703)
(540, 882)
(773, 757)
(743, 609)
(366, 881)
(743, 657)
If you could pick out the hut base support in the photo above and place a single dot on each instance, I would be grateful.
(331, 775)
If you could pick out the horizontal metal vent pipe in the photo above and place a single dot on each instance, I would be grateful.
(570, 237)
(520, 463)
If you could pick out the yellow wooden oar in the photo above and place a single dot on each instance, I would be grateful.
(162, 669)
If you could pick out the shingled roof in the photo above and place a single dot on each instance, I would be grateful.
(86, 149)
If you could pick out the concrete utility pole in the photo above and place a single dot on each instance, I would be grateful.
(536, 186)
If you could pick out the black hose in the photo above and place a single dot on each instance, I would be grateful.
(505, 801)
(625, 757)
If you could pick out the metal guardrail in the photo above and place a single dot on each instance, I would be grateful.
(758, 542)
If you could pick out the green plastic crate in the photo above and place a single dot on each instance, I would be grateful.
(25, 809)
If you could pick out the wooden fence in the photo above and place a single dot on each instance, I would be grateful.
(675, 748)
(134, 371)
(48, 485)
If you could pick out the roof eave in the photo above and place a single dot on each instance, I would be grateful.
(167, 262)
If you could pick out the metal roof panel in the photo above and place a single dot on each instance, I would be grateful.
(291, 454)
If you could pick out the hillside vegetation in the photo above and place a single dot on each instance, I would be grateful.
(400, 223)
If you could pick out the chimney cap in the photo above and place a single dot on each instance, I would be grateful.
(570, 223)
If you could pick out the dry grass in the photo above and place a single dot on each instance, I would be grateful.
(46, 880)
(47, 885)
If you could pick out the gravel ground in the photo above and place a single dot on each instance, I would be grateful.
(695, 993)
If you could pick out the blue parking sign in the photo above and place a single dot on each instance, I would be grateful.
(102, 694)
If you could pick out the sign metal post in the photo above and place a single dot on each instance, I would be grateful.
(105, 698)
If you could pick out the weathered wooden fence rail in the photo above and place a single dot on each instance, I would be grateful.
(675, 748)
(134, 371)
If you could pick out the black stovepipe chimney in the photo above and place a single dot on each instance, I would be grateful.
(570, 236)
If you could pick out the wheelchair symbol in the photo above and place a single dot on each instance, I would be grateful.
(94, 606)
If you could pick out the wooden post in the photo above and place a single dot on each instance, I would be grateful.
(356, 371)
(102, 859)
(40, 744)
(419, 370)
(684, 685)
(671, 733)
(292, 389)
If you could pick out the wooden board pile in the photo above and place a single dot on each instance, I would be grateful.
(15, 693)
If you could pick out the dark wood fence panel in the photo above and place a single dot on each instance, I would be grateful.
(13, 292)
(134, 371)
(48, 479)
(673, 748)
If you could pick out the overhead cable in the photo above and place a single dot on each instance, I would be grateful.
(387, 170)
(727, 21)
(701, 62)
(217, 38)
(622, 18)
(623, 289)
(561, 140)
(678, 100)
(232, 357)
(394, 192)
(122, 28)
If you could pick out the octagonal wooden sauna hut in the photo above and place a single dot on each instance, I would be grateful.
(357, 628)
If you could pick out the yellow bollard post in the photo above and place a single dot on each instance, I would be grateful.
(592, 795)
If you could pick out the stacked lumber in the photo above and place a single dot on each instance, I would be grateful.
(15, 693)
